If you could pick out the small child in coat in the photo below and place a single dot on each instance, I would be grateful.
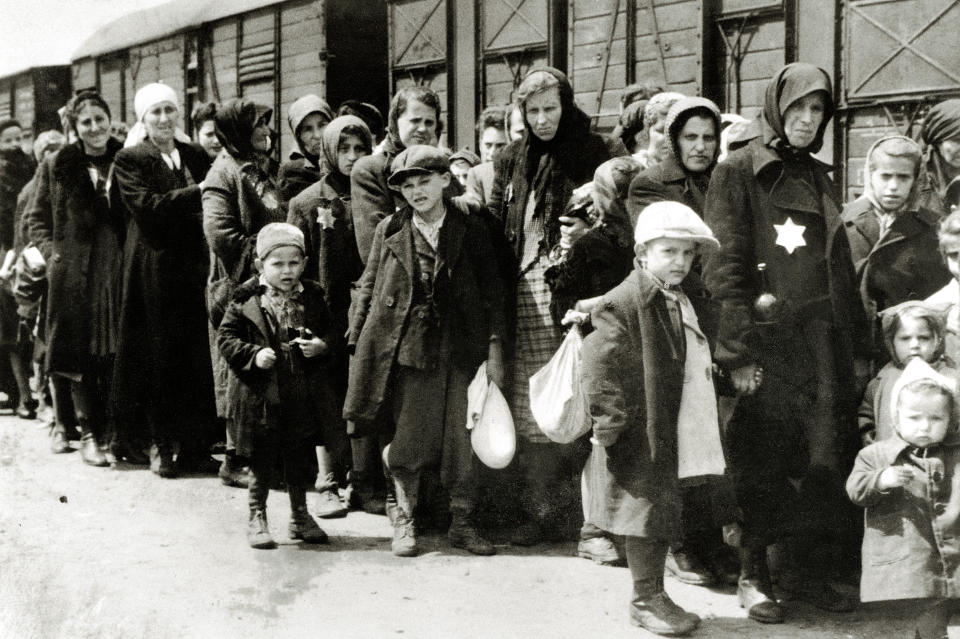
(648, 376)
(276, 336)
(910, 487)
(910, 330)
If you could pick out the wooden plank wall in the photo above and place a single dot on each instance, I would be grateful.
(111, 86)
(257, 30)
(590, 22)
(84, 73)
(6, 105)
(679, 25)
(302, 39)
(765, 54)
(223, 54)
(158, 61)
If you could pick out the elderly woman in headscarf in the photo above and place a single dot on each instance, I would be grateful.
(322, 212)
(308, 117)
(163, 376)
(240, 197)
(893, 239)
(941, 154)
(793, 334)
(535, 177)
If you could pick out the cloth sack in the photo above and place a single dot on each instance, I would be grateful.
(557, 400)
(29, 277)
(492, 434)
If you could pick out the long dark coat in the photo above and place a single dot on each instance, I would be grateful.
(243, 332)
(16, 169)
(904, 265)
(163, 360)
(633, 365)
(467, 290)
(911, 539)
(62, 220)
(666, 181)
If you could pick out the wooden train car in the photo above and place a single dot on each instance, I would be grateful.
(33, 96)
(269, 51)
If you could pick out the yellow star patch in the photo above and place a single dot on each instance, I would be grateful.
(790, 235)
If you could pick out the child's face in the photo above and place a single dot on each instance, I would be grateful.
(951, 253)
(424, 191)
(459, 169)
(923, 417)
(282, 267)
(350, 149)
(914, 338)
(891, 180)
(669, 259)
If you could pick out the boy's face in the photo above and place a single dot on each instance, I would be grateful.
(923, 417)
(459, 169)
(491, 141)
(424, 191)
(914, 339)
(669, 259)
(891, 180)
(350, 149)
(282, 267)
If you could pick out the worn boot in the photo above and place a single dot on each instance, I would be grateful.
(404, 529)
(302, 524)
(754, 589)
(58, 440)
(685, 566)
(651, 608)
(89, 448)
(463, 534)
(232, 473)
(161, 461)
(258, 532)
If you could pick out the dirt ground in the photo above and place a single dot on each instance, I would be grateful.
(90, 552)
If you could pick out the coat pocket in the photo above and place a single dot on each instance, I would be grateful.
(886, 541)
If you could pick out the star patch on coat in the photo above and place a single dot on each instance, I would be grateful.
(790, 235)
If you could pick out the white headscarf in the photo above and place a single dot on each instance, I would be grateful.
(148, 96)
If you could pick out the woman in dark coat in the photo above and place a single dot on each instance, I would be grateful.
(80, 233)
(771, 202)
(240, 196)
(308, 117)
(941, 152)
(163, 373)
(535, 177)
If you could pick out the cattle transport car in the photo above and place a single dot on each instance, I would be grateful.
(33, 95)
(214, 50)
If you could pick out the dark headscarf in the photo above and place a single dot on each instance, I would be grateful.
(234, 124)
(791, 83)
(941, 123)
(332, 133)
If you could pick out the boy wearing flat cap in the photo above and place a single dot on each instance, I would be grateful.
(648, 376)
(277, 336)
(429, 311)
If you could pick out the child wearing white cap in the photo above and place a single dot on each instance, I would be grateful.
(648, 374)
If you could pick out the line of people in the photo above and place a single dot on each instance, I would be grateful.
(323, 318)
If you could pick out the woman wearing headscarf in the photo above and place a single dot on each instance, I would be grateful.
(80, 232)
(535, 177)
(793, 334)
(307, 117)
(941, 154)
(163, 376)
(322, 212)
(240, 196)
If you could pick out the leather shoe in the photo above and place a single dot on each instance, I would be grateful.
(660, 615)
(687, 568)
(26, 411)
(600, 550)
(404, 542)
(90, 451)
(329, 505)
(464, 535)
(760, 606)
(258, 532)
(58, 441)
(161, 462)
(232, 476)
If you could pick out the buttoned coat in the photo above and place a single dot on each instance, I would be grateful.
(467, 290)
(911, 540)
(905, 264)
(666, 181)
(633, 368)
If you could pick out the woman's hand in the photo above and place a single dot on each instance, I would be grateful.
(747, 379)
(265, 358)
(574, 317)
(571, 230)
(311, 347)
(895, 477)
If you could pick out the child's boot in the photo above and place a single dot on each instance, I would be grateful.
(407, 486)
(89, 447)
(463, 534)
(754, 589)
(651, 608)
(302, 524)
(258, 532)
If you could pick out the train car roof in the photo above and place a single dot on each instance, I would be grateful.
(161, 21)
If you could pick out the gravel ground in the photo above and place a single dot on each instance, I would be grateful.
(90, 552)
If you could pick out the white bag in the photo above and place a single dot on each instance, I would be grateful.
(557, 400)
(492, 436)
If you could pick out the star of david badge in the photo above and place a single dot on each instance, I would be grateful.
(790, 235)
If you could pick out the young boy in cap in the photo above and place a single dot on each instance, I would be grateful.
(648, 375)
(428, 312)
(277, 336)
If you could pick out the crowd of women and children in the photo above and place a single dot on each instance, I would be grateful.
(760, 363)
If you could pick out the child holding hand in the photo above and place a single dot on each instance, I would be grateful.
(279, 391)
(908, 485)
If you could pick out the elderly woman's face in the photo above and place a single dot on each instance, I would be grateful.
(310, 132)
(543, 111)
(160, 121)
(950, 152)
(803, 118)
(260, 140)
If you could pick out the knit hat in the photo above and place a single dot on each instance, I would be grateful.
(418, 159)
(672, 220)
(152, 94)
(277, 234)
(916, 370)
